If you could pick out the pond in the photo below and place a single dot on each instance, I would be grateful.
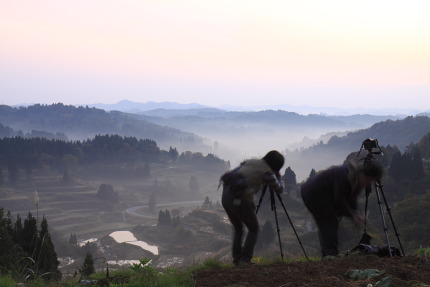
(128, 237)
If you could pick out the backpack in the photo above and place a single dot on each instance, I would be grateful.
(234, 181)
(366, 249)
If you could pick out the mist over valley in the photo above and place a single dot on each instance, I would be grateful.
(98, 172)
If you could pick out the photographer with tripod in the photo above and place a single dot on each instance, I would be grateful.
(239, 187)
(333, 193)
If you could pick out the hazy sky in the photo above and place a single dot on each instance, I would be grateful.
(320, 53)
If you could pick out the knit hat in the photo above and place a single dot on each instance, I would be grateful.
(275, 160)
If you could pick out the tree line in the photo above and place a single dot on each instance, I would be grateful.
(18, 153)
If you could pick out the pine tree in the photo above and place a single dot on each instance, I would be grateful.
(168, 217)
(73, 240)
(396, 170)
(88, 266)
(29, 235)
(312, 174)
(9, 251)
(17, 230)
(161, 218)
(47, 260)
(289, 178)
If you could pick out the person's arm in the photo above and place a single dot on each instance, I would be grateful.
(274, 182)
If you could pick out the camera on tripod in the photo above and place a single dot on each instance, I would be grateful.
(371, 166)
(370, 144)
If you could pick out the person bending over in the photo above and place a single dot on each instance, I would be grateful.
(239, 187)
(333, 193)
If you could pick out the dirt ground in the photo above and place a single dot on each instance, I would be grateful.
(400, 271)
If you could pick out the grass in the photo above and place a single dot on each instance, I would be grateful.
(7, 281)
(133, 277)
(142, 275)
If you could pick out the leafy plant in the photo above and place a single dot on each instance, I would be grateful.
(144, 269)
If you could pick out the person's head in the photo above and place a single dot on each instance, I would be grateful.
(275, 160)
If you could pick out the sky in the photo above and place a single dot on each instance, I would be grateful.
(345, 54)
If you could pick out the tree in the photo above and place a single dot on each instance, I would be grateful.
(46, 259)
(144, 171)
(161, 218)
(69, 165)
(207, 203)
(396, 170)
(73, 240)
(173, 154)
(289, 179)
(106, 192)
(267, 235)
(417, 165)
(312, 174)
(17, 230)
(8, 249)
(88, 266)
(29, 235)
(168, 217)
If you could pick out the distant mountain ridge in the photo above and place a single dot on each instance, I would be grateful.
(232, 136)
(81, 123)
(137, 107)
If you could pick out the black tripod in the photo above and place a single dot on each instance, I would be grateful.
(273, 208)
(370, 145)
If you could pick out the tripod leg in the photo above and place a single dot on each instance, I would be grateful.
(272, 199)
(383, 218)
(261, 199)
(379, 185)
(292, 225)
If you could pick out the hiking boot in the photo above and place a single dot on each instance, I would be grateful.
(244, 263)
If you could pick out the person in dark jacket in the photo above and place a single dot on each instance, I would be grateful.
(238, 200)
(333, 193)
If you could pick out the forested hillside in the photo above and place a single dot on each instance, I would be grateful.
(81, 123)
(87, 187)
(398, 134)
(27, 154)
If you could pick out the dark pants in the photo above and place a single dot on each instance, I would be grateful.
(241, 213)
(327, 222)
(328, 226)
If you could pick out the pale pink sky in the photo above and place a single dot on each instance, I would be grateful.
(320, 53)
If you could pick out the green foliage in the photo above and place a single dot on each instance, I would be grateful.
(412, 217)
(7, 281)
(408, 166)
(31, 254)
(145, 271)
(22, 270)
(423, 252)
(106, 192)
(87, 268)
